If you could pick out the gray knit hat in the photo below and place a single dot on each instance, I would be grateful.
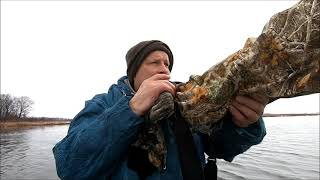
(137, 54)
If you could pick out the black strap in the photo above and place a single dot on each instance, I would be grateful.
(211, 170)
(189, 159)
(138, 161)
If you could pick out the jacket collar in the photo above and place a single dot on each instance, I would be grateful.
(125, 87)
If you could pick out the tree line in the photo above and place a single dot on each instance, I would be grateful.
(12, 107)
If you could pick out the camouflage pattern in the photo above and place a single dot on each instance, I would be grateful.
(282, 62)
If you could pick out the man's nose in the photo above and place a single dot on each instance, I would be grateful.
(164, 69)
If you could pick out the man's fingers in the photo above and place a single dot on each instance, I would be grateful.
(247, 112)
(247, 109)
(167, 86)
(173, 87)
(250, 103)
(238, 117)
(236, 113)
(260, 98)
(160, 77)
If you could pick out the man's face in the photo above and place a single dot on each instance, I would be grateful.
(157, 62)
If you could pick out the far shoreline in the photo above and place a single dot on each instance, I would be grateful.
(34, 122)
(290, 114)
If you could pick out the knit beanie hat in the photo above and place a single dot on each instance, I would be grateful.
(137, 54)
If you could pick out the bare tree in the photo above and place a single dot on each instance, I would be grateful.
(2, 106)
(24, 106)
(7, 105)
(11, 106)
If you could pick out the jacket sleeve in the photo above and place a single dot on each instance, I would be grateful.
(98, 138)
(227, 140)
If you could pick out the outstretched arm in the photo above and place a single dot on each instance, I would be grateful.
(240, 129)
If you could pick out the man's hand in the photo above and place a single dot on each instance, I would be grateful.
(149, 92)
(246, 110)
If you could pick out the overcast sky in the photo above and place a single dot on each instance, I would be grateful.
(63, 53)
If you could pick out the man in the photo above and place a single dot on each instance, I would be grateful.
(99, 139)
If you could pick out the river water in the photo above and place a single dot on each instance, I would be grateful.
(290, 150)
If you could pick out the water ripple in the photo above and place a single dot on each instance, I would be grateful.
(289, 151)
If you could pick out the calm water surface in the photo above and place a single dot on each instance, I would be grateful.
(289, 151)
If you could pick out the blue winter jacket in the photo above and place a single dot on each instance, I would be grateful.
(99, 137)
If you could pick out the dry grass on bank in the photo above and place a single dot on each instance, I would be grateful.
(27, 122)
